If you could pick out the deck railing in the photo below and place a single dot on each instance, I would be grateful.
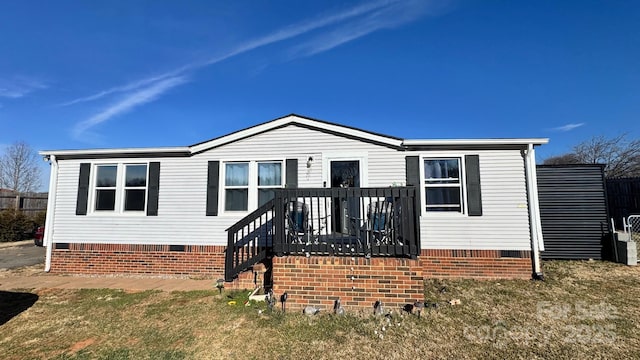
(364, 222)
(347, 222)
(250, 240)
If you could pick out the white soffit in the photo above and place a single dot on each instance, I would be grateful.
(169, 150)
(474, 142)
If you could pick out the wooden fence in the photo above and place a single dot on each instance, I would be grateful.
(29, 204)
(623, 196)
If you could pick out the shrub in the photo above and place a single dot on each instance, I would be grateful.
(39, 218)
(15, 226)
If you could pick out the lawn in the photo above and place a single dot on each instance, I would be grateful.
(582, 310)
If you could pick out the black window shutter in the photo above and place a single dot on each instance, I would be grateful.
(291, 180)
(213, 177)
(154, 187)
(474, 195)
(83, 189)
(413, 173)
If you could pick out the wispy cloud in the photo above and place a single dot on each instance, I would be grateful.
(280, 35)
(302, 28)
(116, 89)
(391, 16)
(18, 87)
(129, 86)
(568, 127)
(353, 23)
(139, 97)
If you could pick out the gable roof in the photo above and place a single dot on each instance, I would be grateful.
(292, 120)
(303, 121)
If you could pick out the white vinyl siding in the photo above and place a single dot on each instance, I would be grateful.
(183, 184)
(181, 209)
(504, 224)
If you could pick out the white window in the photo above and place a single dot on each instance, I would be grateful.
(106, 181)
(120, 188)
(249, 185)
(236, 182)
(443, 185)
(269, 178)
(135, 187)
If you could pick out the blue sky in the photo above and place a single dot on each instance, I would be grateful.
(87, 74)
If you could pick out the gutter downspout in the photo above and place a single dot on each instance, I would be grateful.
(51, 212)
(534, 211)
(536, 203)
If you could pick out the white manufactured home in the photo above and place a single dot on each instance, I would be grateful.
(296, 187)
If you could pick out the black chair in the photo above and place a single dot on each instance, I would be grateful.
(380, 222)
(298, 226)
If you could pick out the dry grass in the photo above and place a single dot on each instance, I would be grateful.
(582, 310)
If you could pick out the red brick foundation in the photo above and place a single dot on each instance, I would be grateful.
(359, 282)
(477, 264)
(317, 280)
(188, 260)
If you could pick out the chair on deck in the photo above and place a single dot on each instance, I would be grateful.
(298, 226)
(380, 222)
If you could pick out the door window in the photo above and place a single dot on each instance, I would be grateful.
(345, 173)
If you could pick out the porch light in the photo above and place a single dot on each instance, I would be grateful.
(309, 162)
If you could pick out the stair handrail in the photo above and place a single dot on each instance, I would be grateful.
(233, 264)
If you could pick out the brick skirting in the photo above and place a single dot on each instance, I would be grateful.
(178, 260)
(358, 281)
(477, 264)
(315, 280)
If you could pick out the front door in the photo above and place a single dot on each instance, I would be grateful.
(345, 211)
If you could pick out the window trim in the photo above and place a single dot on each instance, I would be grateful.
(125, 188)
(266, 187)
(94, 191)
(252, 197)
(362, 157)
(119, 188)
(233, 187)
(463, 186)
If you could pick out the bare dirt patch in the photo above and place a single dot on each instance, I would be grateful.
(80, 345)
(33, 270)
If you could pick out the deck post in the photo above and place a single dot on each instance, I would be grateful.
(415, 245)
(278, 237)
(228, 263)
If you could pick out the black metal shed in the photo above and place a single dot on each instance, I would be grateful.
(573, 211)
